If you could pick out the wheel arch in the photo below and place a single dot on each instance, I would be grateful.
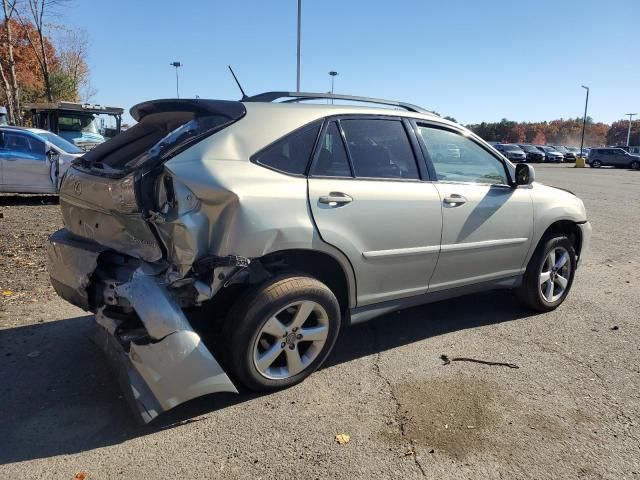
(570, 229)
(318, 264)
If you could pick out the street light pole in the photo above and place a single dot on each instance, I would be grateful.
(177, 65)
(631, 115)
(333, 76)
(298, 55)
(584, 121)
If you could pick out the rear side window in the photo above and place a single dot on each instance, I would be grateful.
(332, 158)
(291, 153)
(380, 149)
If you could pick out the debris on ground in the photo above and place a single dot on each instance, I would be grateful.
(342, 438)
(446, 361)
(615, 327)
(80, 476)
(34, 354)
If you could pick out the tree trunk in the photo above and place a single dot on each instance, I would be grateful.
(8, 13)
(8, 94)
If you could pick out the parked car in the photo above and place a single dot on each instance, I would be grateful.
(550, 154)
(616, 157)
(511, 151)
(278, 223)
(33, 160)
(533, 153)
(569, 156)
(574, 150)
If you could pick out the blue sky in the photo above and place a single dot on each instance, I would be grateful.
(475, 60)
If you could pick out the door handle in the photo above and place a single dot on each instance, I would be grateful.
(335, 198)
(454, 200)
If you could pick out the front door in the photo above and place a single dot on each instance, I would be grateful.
(487, 224)
(368, 199)
(25, 164)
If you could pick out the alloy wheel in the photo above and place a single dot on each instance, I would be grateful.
(291, 340)
(555, 274)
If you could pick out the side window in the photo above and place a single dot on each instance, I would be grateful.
(332, 158)
(291, 153)
(459, 159)
(22, 143)
(380, 149)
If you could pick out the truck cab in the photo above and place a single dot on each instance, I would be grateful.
(80, 123)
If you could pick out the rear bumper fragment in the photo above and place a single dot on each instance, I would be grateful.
(165, 366)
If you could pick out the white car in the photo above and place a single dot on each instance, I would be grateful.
(33, 160)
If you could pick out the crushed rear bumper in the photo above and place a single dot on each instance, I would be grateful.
(161, 362)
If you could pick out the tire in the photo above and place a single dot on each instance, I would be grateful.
(595, 163)
(530, 294)
(635, 165)
(251, 326)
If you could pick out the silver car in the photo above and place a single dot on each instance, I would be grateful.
(33, 160)
(223, 244)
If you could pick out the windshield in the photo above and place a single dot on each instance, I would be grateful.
(529, 148)
(77, 123)
(60, 142)
(573, 149)
(561, 149)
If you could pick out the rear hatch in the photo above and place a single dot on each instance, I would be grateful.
(107, 195)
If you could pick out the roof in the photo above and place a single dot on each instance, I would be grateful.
(323, 110)
(75, 107)
(34, 131)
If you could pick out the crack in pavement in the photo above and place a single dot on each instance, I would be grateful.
(398, 417)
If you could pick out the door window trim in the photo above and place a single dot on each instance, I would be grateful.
(423, 174)
(418, 122)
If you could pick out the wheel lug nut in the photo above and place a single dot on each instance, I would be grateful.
(299, 336)
(282, 345)
(292, 347)
(294, 329)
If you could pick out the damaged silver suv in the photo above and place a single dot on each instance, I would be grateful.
(224, 243)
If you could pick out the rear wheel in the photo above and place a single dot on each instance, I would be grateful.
(595, 163)
(281, 332)
(549, 275)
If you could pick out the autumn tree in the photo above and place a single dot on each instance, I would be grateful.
(617, 133)
(10, 83)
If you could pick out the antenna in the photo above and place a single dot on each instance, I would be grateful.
(244, 95)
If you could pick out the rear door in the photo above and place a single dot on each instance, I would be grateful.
(25, 164)
(371, 199)
(487, 224)
(620, 158)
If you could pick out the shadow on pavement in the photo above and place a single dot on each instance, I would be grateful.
(58, 396)
(20, 199)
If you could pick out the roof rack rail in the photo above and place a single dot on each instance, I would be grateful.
(297, 96)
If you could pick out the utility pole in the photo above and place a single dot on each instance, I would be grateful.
(177, 65)
(584, 121)
(333, 76)
(298, 56)
(631, 115)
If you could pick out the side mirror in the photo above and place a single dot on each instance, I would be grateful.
(52, 155)
(525, 174)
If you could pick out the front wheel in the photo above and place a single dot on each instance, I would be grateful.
(281, 332)
(549, 275)
(635, 165)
